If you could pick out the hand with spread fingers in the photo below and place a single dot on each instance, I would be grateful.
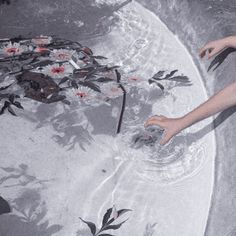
(217, 46)
(171, 126)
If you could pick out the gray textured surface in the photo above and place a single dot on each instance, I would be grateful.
(195, 22)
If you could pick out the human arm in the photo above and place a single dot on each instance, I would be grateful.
(215, 47)
(217, 103)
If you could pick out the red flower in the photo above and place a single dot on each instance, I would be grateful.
(40, 49)
(58, 70)
(81, 94)
(12, 50)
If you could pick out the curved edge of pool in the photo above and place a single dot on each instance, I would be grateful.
(196, 23)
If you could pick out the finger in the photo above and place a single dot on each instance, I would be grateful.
(165, 139)
(153, 122)
(157, 117)
(215, 51)
(204, 50)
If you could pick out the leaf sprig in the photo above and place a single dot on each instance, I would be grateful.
(180, 80)
(109, 217)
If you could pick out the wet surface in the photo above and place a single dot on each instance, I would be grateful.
(160, 184)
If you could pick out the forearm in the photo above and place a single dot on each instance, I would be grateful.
(230, 41)
(219, 102)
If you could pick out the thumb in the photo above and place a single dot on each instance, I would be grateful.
(166, 138)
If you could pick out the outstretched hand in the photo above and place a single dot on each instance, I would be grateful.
(213, 47)
(171, 126)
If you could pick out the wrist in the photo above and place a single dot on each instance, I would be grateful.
(230, 41)
(185, 122)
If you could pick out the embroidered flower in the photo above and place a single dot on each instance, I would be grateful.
(133, 80)
(12, 49)
(111, 90)
(62, 54)
(84, 95)
(41, 49)
(42, 40)
(58, 71)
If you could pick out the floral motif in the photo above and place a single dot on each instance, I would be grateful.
(42, 40)
(12, 49)
(41, 49)
(84, 94)
(58, 71)
(133, 81)
(111, 90)
(62, 54)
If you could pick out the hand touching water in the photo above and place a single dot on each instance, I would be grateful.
(171, 126)
(215, 47)
(217, 103)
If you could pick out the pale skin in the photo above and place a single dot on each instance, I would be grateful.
(217, 103)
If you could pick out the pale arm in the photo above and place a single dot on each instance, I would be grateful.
(217, 46)
(219, 102)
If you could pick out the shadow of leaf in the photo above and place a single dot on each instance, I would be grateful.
(28, 211)
(149, 229)
(4, 206)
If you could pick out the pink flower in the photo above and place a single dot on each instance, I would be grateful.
(111, 90)
(42, 40)
(12, 49)
(58, 71)
(62, 54)
(41, 49)
(114, 212)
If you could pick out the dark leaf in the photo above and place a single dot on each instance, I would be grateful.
(42, 63)
(63, 80)
(160, 86)
(106, 217)
(91, 85)
(5, 87)
(104, 79)
(4, 206)
(150, 81)
(91, 226)
(18, 105)
(6, 104)
(113, 67)
(85, 69)
(122, 211)
(170, 74)
(11, 98)
(55, 98)
(99, 57)
(11, 111)
(114, 227)
(66, 102)
(74, 84)
(158, 74)
(118, 76)
(181, 78)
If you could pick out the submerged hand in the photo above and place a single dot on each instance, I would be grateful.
(171, 126)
